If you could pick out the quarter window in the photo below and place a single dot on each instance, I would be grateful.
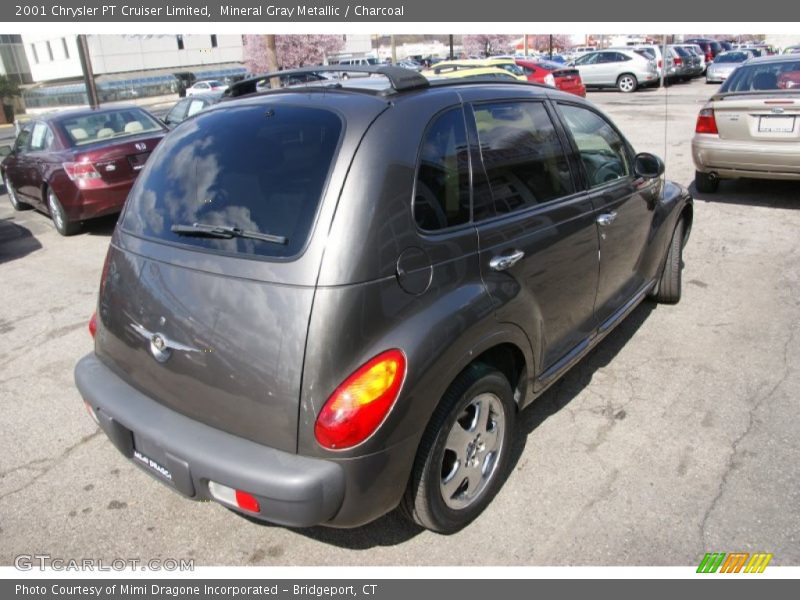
(603, 151)
(41, 137)
(522, 154)
(441, 194)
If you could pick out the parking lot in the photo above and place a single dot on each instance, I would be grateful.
(675, 437)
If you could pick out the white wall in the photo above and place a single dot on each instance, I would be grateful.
(61, 66)
(120, 53)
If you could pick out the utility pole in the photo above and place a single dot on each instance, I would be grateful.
(451, 47)
(88, 74)
(525, 44)
(551, 46)
(394, 49)
(272, 60)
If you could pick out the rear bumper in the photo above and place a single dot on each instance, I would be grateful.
(82, 204)
(292, 490)
(736, 158)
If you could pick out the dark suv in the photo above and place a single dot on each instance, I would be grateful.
(321, 303)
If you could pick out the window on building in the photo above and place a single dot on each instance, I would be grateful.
(66, 48)
(49, 50)
(213, 41)
(35, 54)
(179, 39)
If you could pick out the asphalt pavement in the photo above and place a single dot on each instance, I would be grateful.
(675, 437)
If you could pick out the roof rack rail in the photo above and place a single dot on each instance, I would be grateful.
(399, 78)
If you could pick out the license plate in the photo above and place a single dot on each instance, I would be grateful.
(137, 160)
(153, 465)
(776, 124)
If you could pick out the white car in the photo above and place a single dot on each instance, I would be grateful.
(206, 87)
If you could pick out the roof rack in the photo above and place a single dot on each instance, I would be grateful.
(399, 78)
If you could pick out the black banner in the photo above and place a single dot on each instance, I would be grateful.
(388, 11)
(393, 589)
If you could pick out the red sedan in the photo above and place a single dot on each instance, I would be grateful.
(79, 164)
(556, 75)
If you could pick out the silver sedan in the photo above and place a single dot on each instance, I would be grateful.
(724, 64)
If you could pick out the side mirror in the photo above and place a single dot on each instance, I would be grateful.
(648, 165)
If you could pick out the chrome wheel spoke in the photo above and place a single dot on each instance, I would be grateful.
(450, 486)
(458, 440)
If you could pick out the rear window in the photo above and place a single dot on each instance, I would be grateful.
(256, 168)
(107, 125)
(732, 57)
(764, 77)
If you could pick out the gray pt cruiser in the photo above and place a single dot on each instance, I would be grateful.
(322, 303)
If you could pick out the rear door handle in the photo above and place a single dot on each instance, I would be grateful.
(607, 218)
(506, 261)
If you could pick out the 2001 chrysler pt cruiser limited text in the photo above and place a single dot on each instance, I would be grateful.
(322, 303)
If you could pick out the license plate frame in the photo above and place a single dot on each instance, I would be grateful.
(776, 124)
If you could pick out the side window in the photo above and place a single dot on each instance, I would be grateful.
(40, 137)
(522, 154)
(23, 139)
(441, 194)
(603, 151)
(178, 112)
(195, 106)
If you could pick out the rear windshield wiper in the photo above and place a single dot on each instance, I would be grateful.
(227, 232)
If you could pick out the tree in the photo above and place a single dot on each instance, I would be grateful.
(541, 42)
(9, 89)
(291, 50)
(488, 44)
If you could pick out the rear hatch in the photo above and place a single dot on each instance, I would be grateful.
(213, 323)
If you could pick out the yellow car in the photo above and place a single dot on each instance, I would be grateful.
(463, 73)
(448, 66)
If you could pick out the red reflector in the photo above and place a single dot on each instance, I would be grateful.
(247, 502)
(359, 405)
(706, 123)
(93, 324)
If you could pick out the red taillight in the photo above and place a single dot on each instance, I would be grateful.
(233, 497)
(247, 502)
(93, 324)
(709, 57)
(659, 64)
(706, 123)
(83, 173)
(360, 404)
(678, 61)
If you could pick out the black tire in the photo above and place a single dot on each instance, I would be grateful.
(12, 196)
(668, 290)
(63, 226)
(627, 83)
(484, 461)
(705, 183)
